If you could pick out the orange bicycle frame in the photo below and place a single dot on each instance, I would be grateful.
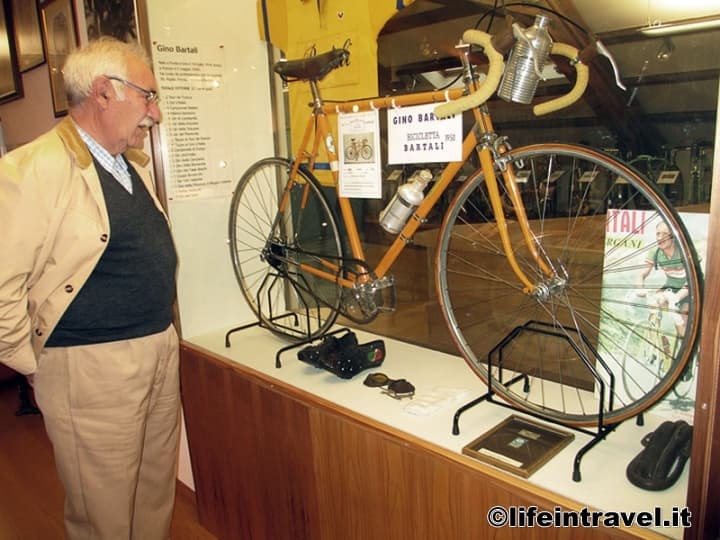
(322, 132)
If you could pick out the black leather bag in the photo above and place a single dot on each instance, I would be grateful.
(344, 356)
(660, 463)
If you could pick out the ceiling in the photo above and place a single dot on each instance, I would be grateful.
(671, 100)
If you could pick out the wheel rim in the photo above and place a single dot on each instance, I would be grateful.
(267, 248)
(583, 311)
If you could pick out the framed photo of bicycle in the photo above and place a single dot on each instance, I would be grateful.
(60, 38)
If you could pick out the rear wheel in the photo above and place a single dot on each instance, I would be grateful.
(565, 340)
(273, 248)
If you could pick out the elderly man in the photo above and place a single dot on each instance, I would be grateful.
(87, 285)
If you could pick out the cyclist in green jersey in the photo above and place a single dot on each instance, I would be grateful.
(673, 295)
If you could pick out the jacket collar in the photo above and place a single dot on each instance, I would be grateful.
(71, 138)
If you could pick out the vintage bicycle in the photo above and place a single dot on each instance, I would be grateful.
(357, 149)
(530, 296)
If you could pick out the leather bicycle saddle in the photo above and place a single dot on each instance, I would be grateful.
(312, 68)
(660, 463)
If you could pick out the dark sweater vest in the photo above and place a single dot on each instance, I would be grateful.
(130, 292)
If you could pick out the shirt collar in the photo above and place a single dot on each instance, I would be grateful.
(98, 152)
(115, 165)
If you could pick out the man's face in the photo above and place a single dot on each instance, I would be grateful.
(663, 236)
(133, 115)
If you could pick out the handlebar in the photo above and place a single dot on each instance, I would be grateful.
(581, 81)
(488, 87)
(495, 72)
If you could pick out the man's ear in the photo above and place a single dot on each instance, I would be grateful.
(102, 91)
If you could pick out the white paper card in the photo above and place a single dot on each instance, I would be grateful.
(360, 167)
(415, 135)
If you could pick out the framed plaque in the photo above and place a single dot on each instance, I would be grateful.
(28, 39)
(60, 38)
(518, 445)
(10, 79)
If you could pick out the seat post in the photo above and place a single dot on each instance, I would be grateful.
(317, 100)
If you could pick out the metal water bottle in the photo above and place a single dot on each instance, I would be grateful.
(527, 59)
(407, 198)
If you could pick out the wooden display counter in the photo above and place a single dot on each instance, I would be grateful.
(296, 453)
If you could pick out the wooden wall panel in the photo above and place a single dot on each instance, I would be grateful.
(250, 448)
(273, 462)
(375, 485)
(704, 481)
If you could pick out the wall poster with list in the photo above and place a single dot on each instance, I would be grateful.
(190, 78)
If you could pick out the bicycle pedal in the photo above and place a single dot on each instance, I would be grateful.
(384, 282)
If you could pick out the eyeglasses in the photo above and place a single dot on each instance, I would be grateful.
(151, 96)
(398, 388)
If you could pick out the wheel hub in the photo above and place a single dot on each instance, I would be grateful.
(549, 289)
(275, 254)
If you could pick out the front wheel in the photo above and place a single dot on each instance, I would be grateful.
(563, 339)
(279, 229)
(366, 152)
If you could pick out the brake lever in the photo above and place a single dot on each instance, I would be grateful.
(606, 53)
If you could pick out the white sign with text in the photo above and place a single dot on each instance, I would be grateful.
(415, 135)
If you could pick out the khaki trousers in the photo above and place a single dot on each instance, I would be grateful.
(111, 411)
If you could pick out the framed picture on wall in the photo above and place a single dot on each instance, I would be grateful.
(116, 18)
(60, 37)
(10, 81)
(28, 40)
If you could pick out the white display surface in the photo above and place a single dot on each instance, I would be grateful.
(604, 485)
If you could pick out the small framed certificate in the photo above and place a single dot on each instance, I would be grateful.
(518, 445)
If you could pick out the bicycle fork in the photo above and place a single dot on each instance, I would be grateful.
(487, 162)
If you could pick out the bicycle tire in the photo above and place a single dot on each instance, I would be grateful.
(268, 245)
(366, 152)
(572, 354)
(686, 382)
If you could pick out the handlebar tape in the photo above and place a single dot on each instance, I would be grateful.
(495, 71)
(581, 81)
(489, 85)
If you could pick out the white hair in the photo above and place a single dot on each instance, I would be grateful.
(103, 56)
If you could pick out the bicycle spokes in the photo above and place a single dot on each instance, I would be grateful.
(572, 337)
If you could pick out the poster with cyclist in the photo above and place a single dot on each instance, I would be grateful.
(645, 306)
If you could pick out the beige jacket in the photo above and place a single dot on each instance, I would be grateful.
(53, 229)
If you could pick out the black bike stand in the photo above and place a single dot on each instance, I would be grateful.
(305, 312)
(294, 345)
(256, 323)
(598, 434)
